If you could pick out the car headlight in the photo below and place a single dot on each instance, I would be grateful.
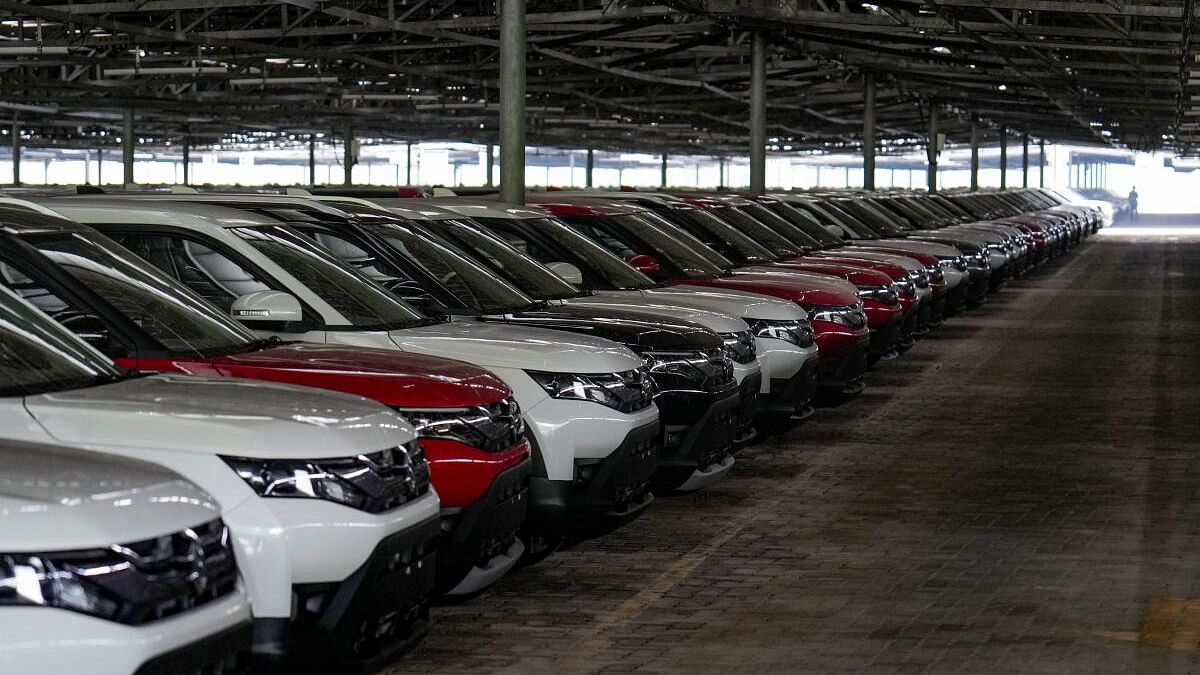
(491, 428)
(799, 333)
(628, 391)
(373, 482)
(740, 346)
(132, 583)
(919, 278)
(851, 317)
(710, 369)
(957, 262)
(882, 294)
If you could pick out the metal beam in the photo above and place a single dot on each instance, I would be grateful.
(512, 101)
(758, 113)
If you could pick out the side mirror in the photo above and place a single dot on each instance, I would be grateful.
(646, 264)
(567, 272)
(267, 306)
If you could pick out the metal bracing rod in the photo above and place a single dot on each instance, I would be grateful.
(869, 131)
(512, 101)
(758, 113)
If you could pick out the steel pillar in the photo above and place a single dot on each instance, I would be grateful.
(1041, 163)
(127, 144)
(512, 101)
(1024, 160)
(662, 179)
(491, 161)
(1003, 157)
(931, 146)
(869, 131)
(100, 166)
(312, 159)
(974, 152)
(758, 113)
(16, 152)
(408, 162)
(187, 158)
(348, 157)
(591, 168)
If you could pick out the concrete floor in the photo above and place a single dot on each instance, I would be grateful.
(1018, 493)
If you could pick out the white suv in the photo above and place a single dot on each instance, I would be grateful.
(588, 402)
(112, 565)
(326, 495)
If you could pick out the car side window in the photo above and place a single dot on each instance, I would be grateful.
(78, 320)
(206, 271)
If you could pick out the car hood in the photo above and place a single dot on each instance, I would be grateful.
(859, 276)
(497, 345)
(636, 305)
(795, 288)
(636, 331)
(930, 248)
(391, 377)
(906, 262)
(976, 237)
(748, 305)
(59, 499)
(187, 413)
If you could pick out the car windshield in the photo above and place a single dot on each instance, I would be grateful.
(859, 210)
(778, 224)
(471, 283)
(588, 255)
(755, 229)
(522, 271)
(631, 234)
(165, 310)
(730, 241)
(832, 216)
(808, 224)
(363, 303)
(37, 355)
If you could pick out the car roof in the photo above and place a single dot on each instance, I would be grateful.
(30, 218)
(481, 207)
(129, 211)
(582, 206)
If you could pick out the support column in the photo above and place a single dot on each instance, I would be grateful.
(1024, 160)
(408, 161)
(931, 146)
(721, 172)
(491, 161)
(1041, 163)
(187, 158)
(869, 131)
(758, 114)
(16, 152)
(1003, 157)
(512, 101)
(347, 157)
(127, 144)
(591, 168)
(974, 152)
(100, 166)
(312, 160)
(662, 179)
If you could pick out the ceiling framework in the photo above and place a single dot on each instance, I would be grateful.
(671, 76)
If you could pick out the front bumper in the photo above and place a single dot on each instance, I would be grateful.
(698, 432)
(885, 338)
(839, 371)
(605, 493)
(361, 623)
(476, 539)
(46, 640)
(791, 396)
(748, 401)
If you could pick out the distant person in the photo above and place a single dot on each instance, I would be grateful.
(1133, 197)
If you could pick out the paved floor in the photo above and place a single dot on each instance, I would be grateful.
(1019, 493)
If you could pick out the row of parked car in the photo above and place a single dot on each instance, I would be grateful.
(263, 429)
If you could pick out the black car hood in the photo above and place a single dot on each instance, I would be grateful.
(629, 329)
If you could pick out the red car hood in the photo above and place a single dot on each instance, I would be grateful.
(923, 258)
(393, 378)
(895, 272)
(855, 274)
(802, 290)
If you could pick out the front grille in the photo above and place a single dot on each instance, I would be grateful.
(720, 369)
(493, 428)
(151, 579)
(389, 478)
(740, 346)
